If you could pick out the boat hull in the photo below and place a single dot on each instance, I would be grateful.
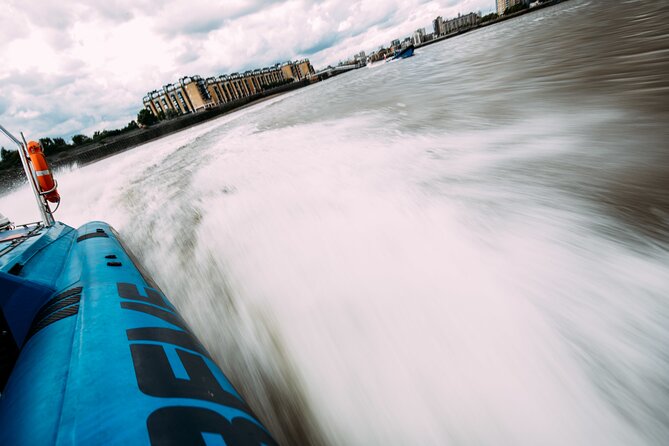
(406, 52)
(102, 357)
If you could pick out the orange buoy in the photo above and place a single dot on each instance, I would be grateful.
(44, 177)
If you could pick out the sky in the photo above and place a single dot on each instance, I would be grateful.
(77, 66)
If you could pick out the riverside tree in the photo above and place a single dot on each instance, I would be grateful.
(78, 140)
(9, 158)
(146, 118)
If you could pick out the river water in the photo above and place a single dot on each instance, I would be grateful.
(467, 247)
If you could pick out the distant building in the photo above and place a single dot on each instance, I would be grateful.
(218, 91)
(297, 70)
(250, 78)
(305, 69)
(461, 22)
(418, 36)
(152, 102)
(360, 58)
(438, 25)
(224, 89)
(171, 99)
(503, 5)
(196, 92)
(193, 94)
(240, 88)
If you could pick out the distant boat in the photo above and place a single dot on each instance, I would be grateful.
(404, 53)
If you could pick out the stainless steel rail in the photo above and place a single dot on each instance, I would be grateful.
(45, 211)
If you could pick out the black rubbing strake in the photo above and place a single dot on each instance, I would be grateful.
(54, 317)
(81, 238)
(48, 307)
(63, 305)
(57, 306)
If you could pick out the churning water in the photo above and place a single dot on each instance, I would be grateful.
(466, 247)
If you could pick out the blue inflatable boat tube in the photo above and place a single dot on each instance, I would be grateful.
(91, 351)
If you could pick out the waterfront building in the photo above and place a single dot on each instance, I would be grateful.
(193, 94)
(152, 102)
(226, 88)
(360, 58)
(217, 90)
(418, 36)
(251, 81)
(289, 71)
(261, 78)
(270, 75)
(195, 89)
(238, 87)
(503, 5)
(177, 98)
(438, 25)
(297, 70)
(171, 99)
(461, 22)
(305, 69)
(264, 78)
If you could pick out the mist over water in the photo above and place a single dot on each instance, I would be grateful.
(466, 247)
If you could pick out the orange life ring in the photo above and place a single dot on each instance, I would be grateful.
(44, 177)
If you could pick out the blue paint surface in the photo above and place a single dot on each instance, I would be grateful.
(75, 380)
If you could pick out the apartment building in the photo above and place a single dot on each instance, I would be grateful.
(193, 94)
(297, 70)
(461, 22)
(198, 95)
(172, 97)
(418, 36)
(438, 25)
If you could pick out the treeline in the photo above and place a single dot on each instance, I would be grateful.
(516, 8)
(9, 158)
(56, 145)
(510, 10)
(489, 17)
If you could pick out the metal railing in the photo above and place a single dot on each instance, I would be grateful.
(43, 206)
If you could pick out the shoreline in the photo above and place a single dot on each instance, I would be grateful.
(12, 177)
(492, 22)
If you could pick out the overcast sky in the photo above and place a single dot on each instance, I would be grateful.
(72, 67)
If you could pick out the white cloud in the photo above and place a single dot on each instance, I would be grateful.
(84, 65)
